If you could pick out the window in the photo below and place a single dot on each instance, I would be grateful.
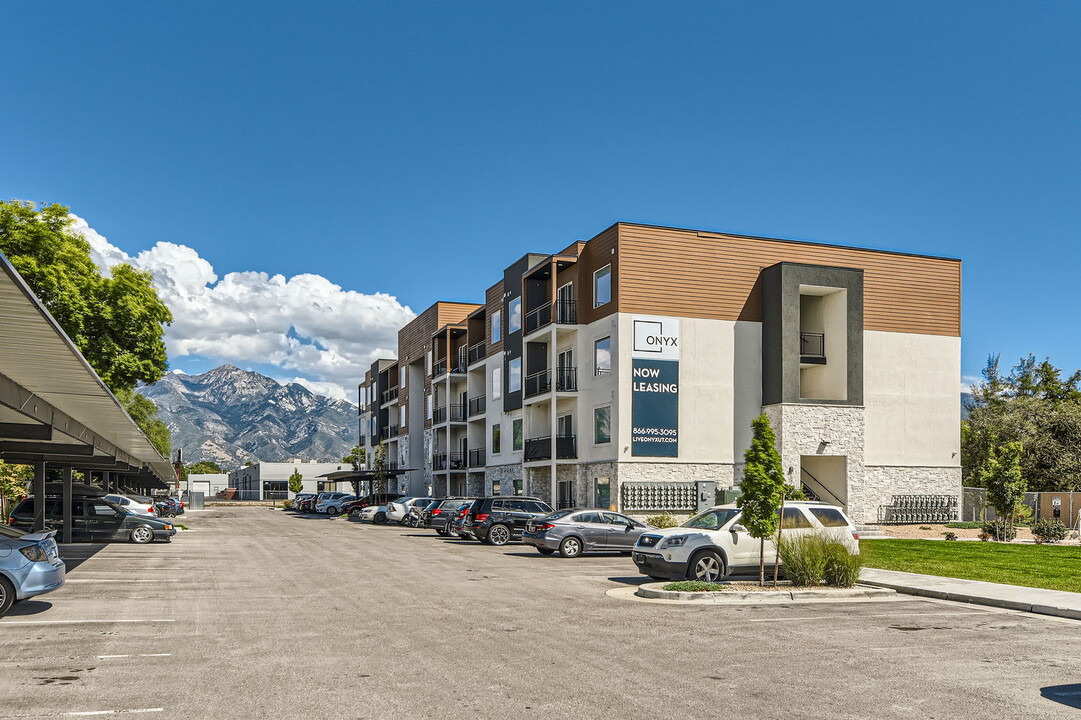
(497, 383)
(496, 487)
(793, 519)
(588, 517)
(104, 509)
(428, 401)
(497, 328)
(602, 356)
(402, 417)
(514, 315)
(428, 362)
(602, 492)
(514, 375)
(517, 486)
(495, 439)
(403, 373)
(829, 517)
(516, 434)
(602, 425)
(602, 286)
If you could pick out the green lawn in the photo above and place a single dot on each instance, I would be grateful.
(1055, 567)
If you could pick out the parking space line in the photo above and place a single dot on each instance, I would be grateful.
(120, 580)
(82, 622)
(108, 657)
(116, 712)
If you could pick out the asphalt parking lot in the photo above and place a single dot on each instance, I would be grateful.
(258, 613)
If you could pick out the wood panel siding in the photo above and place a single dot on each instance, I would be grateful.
(668, 271)
(494, 299)
(594, 255)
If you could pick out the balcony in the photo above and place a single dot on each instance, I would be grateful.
(448, 461)
(456, 413)
(566, 313)
(566, 380)
(476, 458)
(389, 432)
(812, 348)
(541, 448)
(476, 353)
(476, 406)
(439, 367)
(390, 395)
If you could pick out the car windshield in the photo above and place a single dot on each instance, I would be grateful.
(712, 519)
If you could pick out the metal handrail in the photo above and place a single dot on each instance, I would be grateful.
(476, 405)
(538, 317)
(476, 353)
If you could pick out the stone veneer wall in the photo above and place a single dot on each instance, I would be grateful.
(882, 482)
(505, 475)
(476, 485)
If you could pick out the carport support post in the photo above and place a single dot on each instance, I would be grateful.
(68, 472)
(106, 481)
(39, 496)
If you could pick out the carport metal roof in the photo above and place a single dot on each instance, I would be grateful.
(53, 406)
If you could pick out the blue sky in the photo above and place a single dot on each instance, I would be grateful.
(339, 139)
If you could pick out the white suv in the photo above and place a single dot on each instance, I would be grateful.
(713, 544)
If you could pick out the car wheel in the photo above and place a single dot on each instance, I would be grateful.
(7, 595)
(571, 547)
(332, 510)
(142, 535)
(706, 566)
(442, 531)
(545, 551)
(380, 518)
(355, 513)
(498, 534)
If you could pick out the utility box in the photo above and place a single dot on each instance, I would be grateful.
(707, 494)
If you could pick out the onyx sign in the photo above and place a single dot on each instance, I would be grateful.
(655, 388)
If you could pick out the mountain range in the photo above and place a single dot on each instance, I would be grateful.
(232, 416)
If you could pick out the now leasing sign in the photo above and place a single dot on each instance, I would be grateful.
(655, 387)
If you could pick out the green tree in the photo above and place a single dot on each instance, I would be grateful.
(145, 414)
(1006, 486)
(14, 481)
(116, 321)
(204, 467)
(296, 482)
(762, 488)
(356, 457)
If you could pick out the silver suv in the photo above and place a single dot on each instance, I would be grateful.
(713, 544)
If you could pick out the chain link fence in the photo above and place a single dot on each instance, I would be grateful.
(1063, 506)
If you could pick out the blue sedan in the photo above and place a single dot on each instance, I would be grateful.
(30, 565)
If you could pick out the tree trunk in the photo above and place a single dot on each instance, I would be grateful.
(777, 555)
(761, 561)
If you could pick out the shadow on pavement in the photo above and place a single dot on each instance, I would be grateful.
(28, 607)
(631, 580)
(1068, 695)
(76, 554)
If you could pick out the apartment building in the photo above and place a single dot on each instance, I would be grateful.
(625, 371)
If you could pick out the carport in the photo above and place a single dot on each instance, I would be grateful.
(56, 414)
(356, 477)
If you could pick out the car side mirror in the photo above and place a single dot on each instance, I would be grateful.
(737, 528)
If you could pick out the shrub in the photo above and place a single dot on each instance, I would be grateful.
(950, 535)
(804, 558)
(287, 504)
(984, 537)
(1049, 530)
(965, 525)
(926, 527)
(693, 586)
(664, 520)
(998, 530)
(842, 567)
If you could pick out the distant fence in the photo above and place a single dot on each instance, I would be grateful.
(1065, 506)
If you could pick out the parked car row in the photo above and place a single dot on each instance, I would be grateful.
(708, 547)
(30, 563)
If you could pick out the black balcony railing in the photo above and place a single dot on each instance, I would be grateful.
(566, 380)
(448, 461)
(439, 415)
(566, 312)
(541, 448)
(538, 317)
(388, 432)
(476, 406)
(812, 347)
(476, 458)
(457, 413)
(439, 461)
(476, 353)
(390, 465)
(439, 367)
(389, 395)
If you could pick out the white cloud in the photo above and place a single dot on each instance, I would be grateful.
(305, 325)
(967, 381)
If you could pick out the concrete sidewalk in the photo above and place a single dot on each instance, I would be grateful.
(1014, 597)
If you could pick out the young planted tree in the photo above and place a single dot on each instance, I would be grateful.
(1001, 475)
(296, 482)
(379, 468)
(762, 488)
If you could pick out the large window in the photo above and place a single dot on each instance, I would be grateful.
(495, 439)
(602, 425)
(514, 313)
(514, 375)
(602, 356)
(516, 432)
(497, 326)
(497, 383)
(602, 286)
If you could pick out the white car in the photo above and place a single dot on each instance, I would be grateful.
(372, 513)
(333, 505)
(135, 503)
(713, 544)
(397, 510)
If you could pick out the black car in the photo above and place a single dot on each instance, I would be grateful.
(94, 519)
(441, 513)
(499, 519)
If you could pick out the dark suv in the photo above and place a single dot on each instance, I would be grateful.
(499, 519)
(440, 515)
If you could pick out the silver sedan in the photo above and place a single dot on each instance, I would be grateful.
(578, 530)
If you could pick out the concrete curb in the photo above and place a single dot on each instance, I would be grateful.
(729, 597)
(972, 599)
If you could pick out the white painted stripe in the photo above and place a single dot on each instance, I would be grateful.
(116, 712)
(859, 617)
(106, 657)
(119, 580)
(81, 622)
(156, 655)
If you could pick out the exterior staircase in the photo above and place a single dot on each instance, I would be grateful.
(870, 531)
